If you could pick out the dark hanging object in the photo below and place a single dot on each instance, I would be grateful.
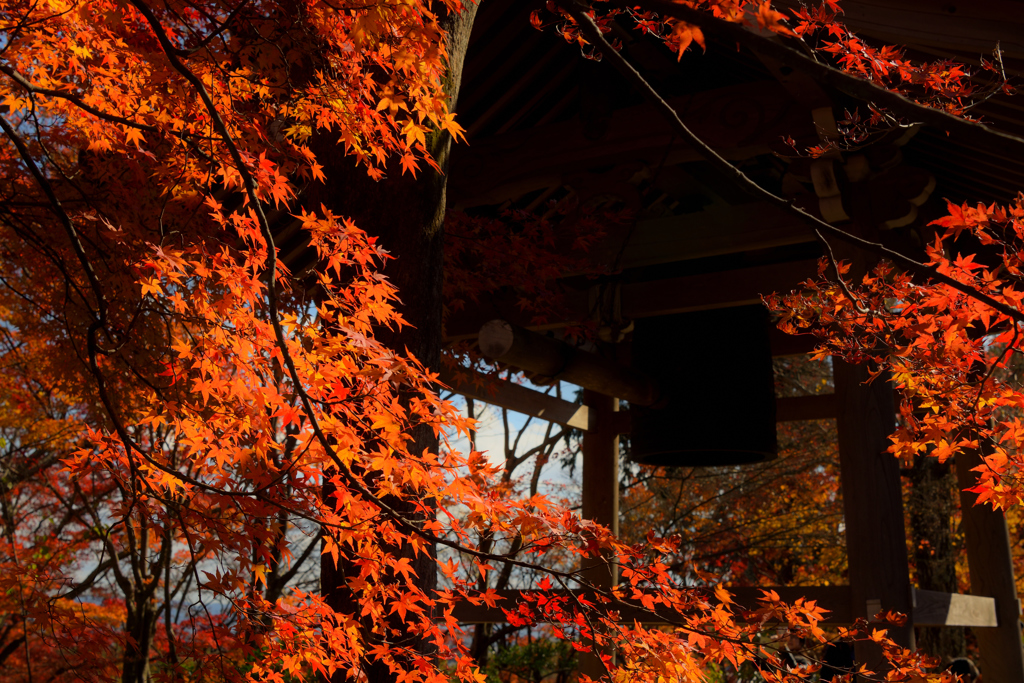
(718, 389)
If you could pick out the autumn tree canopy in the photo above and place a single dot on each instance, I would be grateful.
(188, 421)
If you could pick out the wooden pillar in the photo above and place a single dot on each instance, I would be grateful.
(991, 569)
(872, 504)
(601, 461)
(600, 491)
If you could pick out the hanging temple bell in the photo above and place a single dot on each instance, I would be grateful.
(718, 389)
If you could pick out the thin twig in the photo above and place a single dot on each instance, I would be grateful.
(839, 275)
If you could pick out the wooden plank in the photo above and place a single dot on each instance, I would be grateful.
(516, 397)
(990, 564)
(935, 608)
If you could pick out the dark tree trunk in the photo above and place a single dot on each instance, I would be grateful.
(407, 215)
(140, 625)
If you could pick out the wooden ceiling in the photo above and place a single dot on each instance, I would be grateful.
(545, 124)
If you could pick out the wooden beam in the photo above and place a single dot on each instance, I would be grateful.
(975, 27)
(876, 540)
(506, 394)
(791, 344)
(836, 599)
(549, 357)
(934, 608)
(720, 289)
(600, 486)
(741, 121)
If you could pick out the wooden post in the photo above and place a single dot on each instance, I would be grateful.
(872, 504)
(991, 569)
(600, 491)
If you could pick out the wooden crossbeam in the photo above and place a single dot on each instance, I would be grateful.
(721, 289)
(969, 27)
(931, 608)
(506, 394)
(533, 352)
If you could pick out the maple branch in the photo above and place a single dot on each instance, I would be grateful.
(74, 99)
(213, 34)
(593, 34)
(971, 131)
(89, 581)
(271, 266)
(100, 315)
(283, 579)
(839, 275)
(62, 216)
(189, 138)
(995, 364)
(250, 190)
(170, 51)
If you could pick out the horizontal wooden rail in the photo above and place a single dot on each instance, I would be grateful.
(931, 608)
(834, 598)
(506, 394)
